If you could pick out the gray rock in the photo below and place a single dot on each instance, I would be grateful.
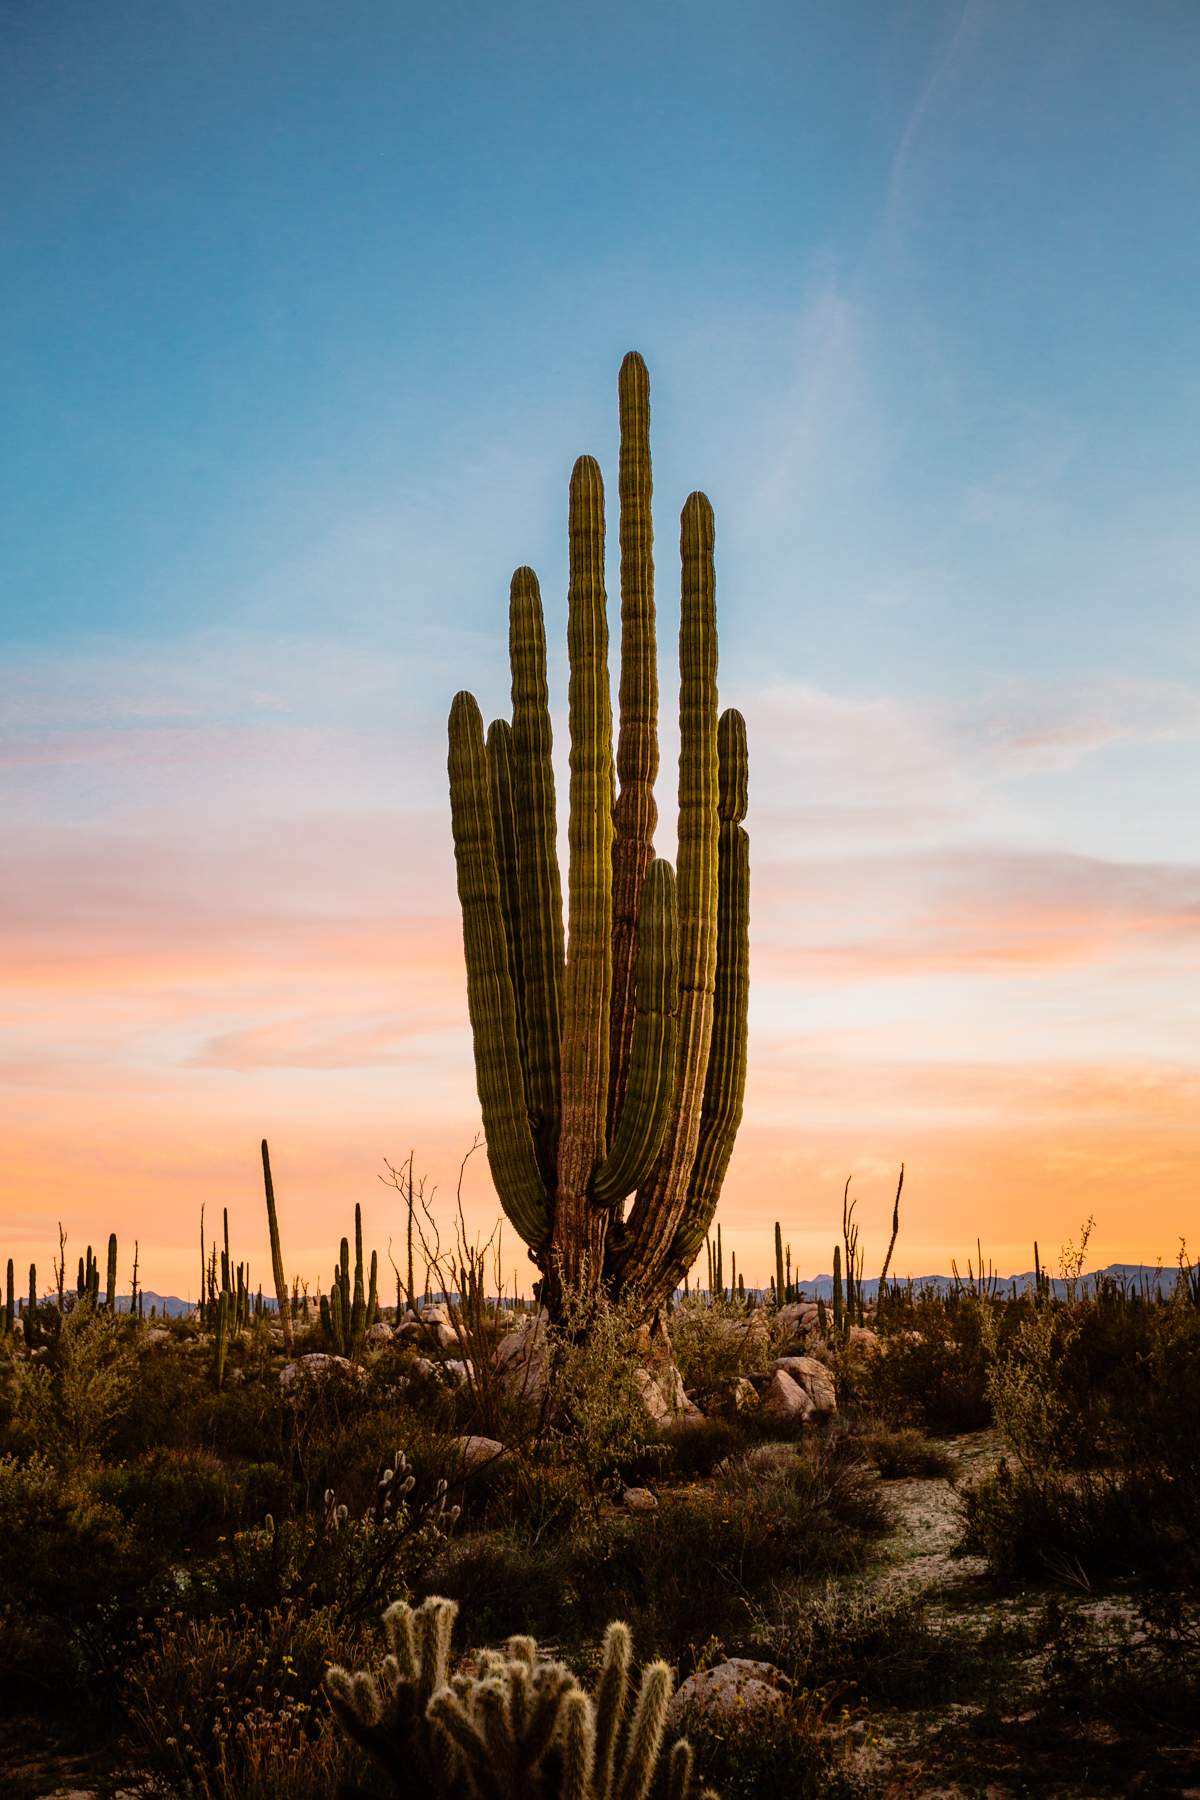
(477, 1452)
(663, 1397)
(813, 1377)
(457, 1372)
(784, 1398)
(522, 1358)
(316, 1368)
(735, 1689)
(797, 1319)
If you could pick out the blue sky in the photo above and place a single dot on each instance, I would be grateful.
(309, 308)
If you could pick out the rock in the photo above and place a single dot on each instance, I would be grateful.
(522, 1358)
(477, 1452)
(734, 1689)
(380, 1333)
(318, 1367)
(862, 1340)
(813, 1377)
(743, 1395)
(639, 1500)
(423, 1368)
(430, 1326)
(797, 1319)
(663, 1396)
(457, 1372)
(784, 1398)
(155, 1334)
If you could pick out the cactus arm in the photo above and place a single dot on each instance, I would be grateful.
(281, 1293)
(659, 1207)
(578, 1234)
(541, 920)
(508, 867)
(490, 1000)
(646, 1111)
(725, 1082)
(635, 814)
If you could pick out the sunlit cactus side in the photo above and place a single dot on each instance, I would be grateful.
(517, 1728)
(837, 1288)
(277, 1271)
(614, 1071)
(221, 1337)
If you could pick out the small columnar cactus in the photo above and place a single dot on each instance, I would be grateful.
(517, 1727)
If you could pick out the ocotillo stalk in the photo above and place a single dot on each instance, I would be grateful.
(110, 1285)
(887, 1261)
(281, 1292)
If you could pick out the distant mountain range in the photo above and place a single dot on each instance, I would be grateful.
(1143, 1277)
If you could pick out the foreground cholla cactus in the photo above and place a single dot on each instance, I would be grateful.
(617, 1068)
(518, 1729)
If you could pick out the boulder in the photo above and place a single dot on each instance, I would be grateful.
(457, 1372)
(732, 1690)
(784, 1398)
(662, 1395)
(813, 1377)
(316, 1368)
(379, 1334)
(796, 1319)
(862, 1340)
(639, 1500)
(742, 1395)
(477, 1452)
(522, 1357)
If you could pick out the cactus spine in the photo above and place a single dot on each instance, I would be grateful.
(281, 1293)
(617, 1071)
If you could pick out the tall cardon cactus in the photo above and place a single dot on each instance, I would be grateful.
(610, 1070)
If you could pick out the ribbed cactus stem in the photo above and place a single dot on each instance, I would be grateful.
(661, 1203)
(645, 1113)
(110, 1284)
(635, 814)
(578, 1228)
(10, 1299)
(780, 1292)
(277, 1269)
(490, 999)
(837, 1287)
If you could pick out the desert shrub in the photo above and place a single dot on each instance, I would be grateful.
(1105, 1471)
(936, 1358)
(714, 1343)
(858, 1639)
(68, 1407)
(594, 1414)
(346, 1562)
(500, 1576)
(903, 1451)
(171, 1498)
(792, 1752)
(63, 1551)
(230, 1707)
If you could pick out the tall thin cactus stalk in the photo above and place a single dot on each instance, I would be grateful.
(281, 1290)
(610, 1063)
